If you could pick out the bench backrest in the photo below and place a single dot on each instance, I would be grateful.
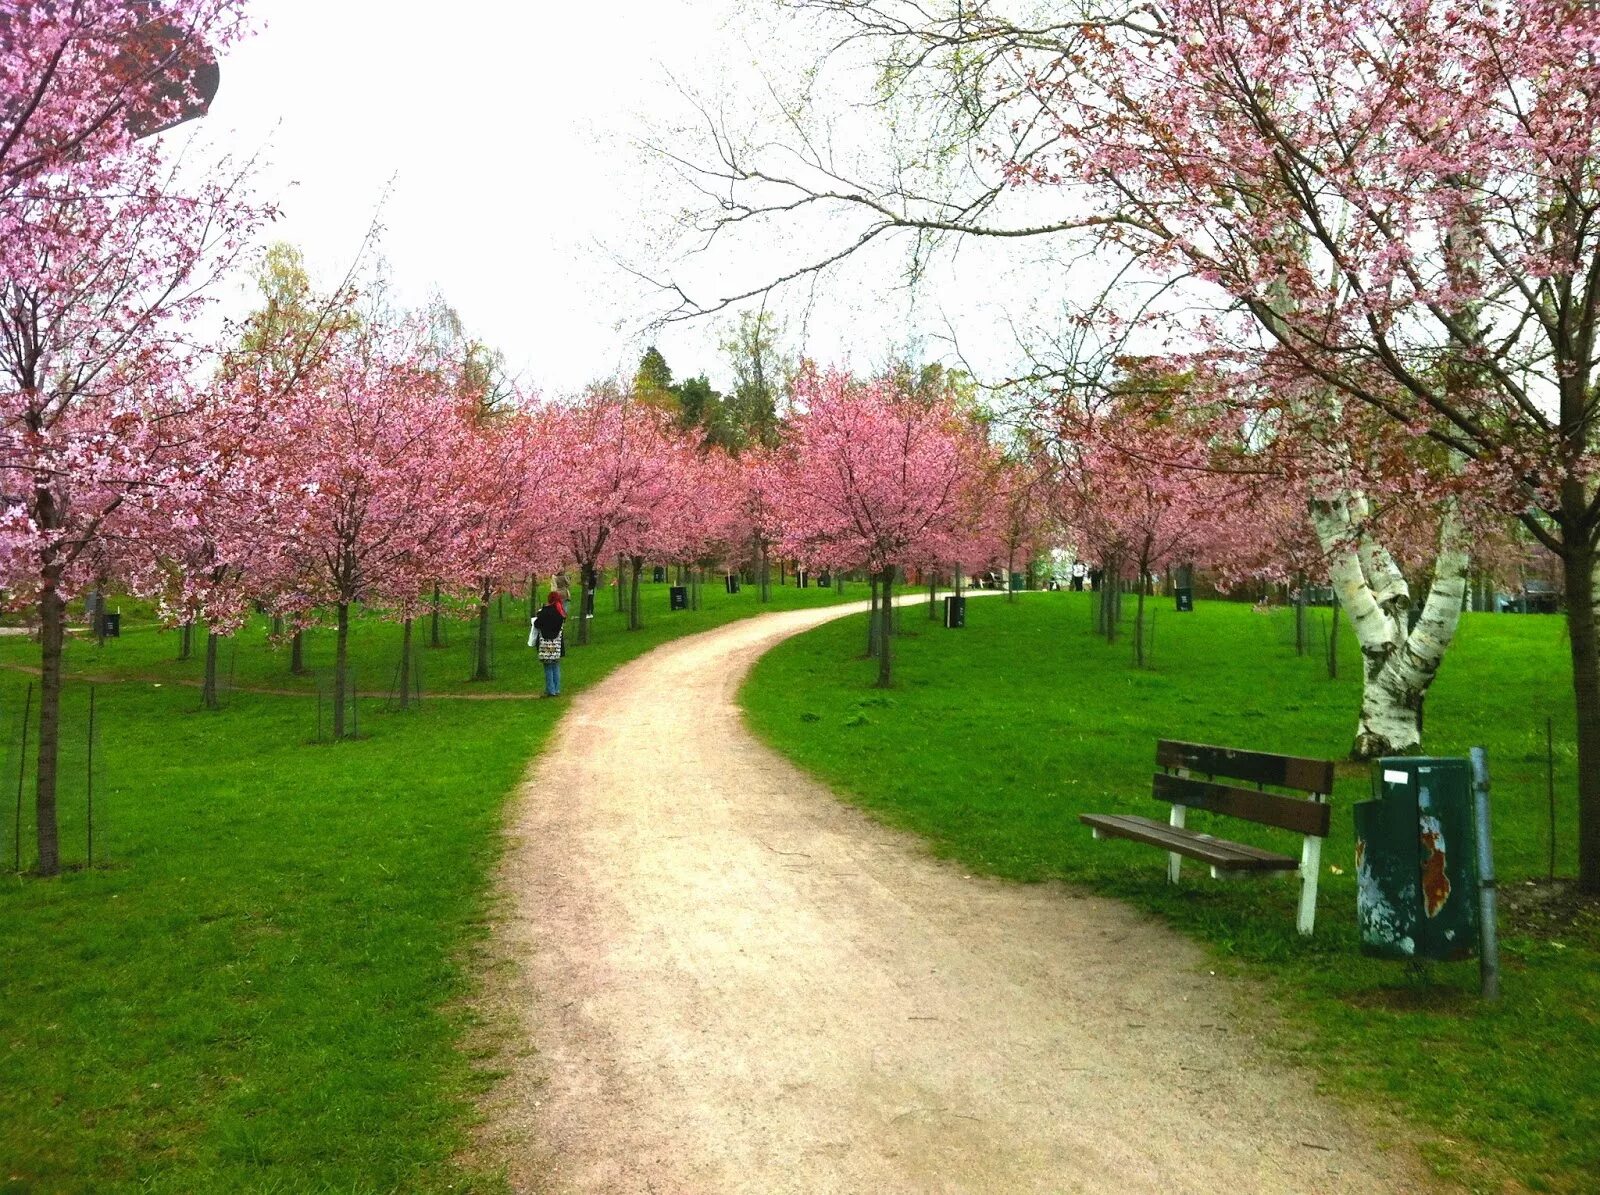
(1202, 766)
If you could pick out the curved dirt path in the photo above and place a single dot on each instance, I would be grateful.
(723, 979)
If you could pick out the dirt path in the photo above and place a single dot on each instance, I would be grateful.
(725, 980)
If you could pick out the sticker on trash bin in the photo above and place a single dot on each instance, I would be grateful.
(1390, 776)
(1435, 880)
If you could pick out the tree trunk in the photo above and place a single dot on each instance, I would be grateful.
(1011, 567)
(766, 574)
(1138, 620)
(186, 641)
(208, 687)
(933, 597)
(622, 588)
(277, 626)
(1333, 639)
(1580, 567)
(341, 660)
(886, 634)
(872, 617)
(636, 566)
(52, 613)
(405, 665)
(94, 607)
(587, 579)
(1111, 597)
(1398, 665)
(434, 638)
(481, 670)
(533, 597)
(1300, 615)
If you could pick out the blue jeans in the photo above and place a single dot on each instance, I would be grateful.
(552, 678)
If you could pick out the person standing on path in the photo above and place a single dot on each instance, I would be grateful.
(546, 636)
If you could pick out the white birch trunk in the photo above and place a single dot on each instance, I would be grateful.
(1398, 666)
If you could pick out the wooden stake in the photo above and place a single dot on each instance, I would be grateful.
(22, 767)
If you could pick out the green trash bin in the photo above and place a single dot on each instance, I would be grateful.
(1416, 860)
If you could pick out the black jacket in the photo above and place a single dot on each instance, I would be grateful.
(548, 622)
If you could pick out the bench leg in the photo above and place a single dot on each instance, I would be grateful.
(1310, 868)
(1175, 860)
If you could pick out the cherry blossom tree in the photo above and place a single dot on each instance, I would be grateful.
(1396, 196)
(369, 449)
(505, 532)
(80, 82)
(104, 258)
(761, 474)
(1148, 489)
(198, 548)
(611, 463)
(875, 479)
(1019, 510)
(1390, 199)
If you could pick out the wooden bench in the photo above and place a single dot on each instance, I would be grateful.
(1189, 779)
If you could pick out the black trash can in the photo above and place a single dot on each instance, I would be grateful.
(679, 595)
(658, 574)
(112, 626)
(1416, 860)
(955, 612)
(1185, 599)
(824, 580)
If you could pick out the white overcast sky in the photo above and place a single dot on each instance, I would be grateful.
(506, 129)
(503, 127)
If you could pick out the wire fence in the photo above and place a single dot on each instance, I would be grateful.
(83, 825)
(329, 724)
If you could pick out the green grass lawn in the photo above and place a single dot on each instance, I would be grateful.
(260, 986)
(996, 737)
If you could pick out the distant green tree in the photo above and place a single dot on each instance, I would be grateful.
(652, 382)
(483, 368)
(702, 409)
(761, 374)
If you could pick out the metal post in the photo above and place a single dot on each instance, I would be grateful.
(89, 779)
(1550, 784)
(1489, 945)
(22, 766)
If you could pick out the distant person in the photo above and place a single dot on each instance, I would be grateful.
(1079, 572)
(1096, 576)
(545, 635)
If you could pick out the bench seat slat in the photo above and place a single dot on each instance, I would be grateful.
(1217, 852)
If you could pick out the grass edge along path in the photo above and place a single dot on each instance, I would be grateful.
(265, 982)
(996, 737)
